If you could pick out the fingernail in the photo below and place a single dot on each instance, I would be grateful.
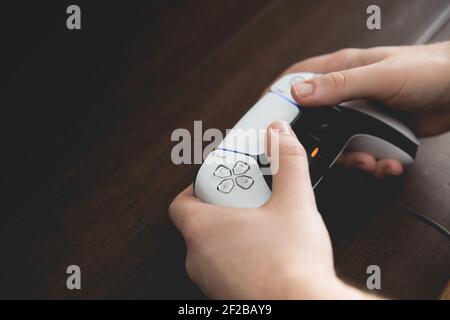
(303, 89)
(281, 126)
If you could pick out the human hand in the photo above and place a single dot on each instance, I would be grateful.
(413, 79)
(279, 251)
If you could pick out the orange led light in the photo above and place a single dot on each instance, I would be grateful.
(314, 152)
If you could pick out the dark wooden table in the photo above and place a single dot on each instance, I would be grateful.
(86, 124)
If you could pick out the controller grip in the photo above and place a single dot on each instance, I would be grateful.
(379, 148)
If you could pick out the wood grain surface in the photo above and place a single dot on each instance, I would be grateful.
(88, 178)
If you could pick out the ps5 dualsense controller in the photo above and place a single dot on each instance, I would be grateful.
(236, 173)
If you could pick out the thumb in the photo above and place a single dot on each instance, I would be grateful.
(374, 81)
(291, 183)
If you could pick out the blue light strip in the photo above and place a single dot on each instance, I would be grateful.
(287, 99)
(277, 94)
(234, 151)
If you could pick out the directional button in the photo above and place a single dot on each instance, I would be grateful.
(240, 168)
(222, 172)
(226, 186)
(245, 182)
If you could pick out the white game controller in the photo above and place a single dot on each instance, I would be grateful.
(231, 176)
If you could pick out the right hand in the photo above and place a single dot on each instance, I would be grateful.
(414, 79)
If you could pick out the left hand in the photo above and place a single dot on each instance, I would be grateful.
(279, 251)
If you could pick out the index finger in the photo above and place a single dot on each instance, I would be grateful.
(184, 205)
(341, 60)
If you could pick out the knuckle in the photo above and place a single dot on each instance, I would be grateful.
(350, 57)
(195, 229)
(378, 49)
(293, 149)
(190, 229)
(186, 219)
(338, 80)
(347, 54)
(189, 267)
(175, 207)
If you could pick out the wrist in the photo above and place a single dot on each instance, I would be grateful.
(328, 287)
